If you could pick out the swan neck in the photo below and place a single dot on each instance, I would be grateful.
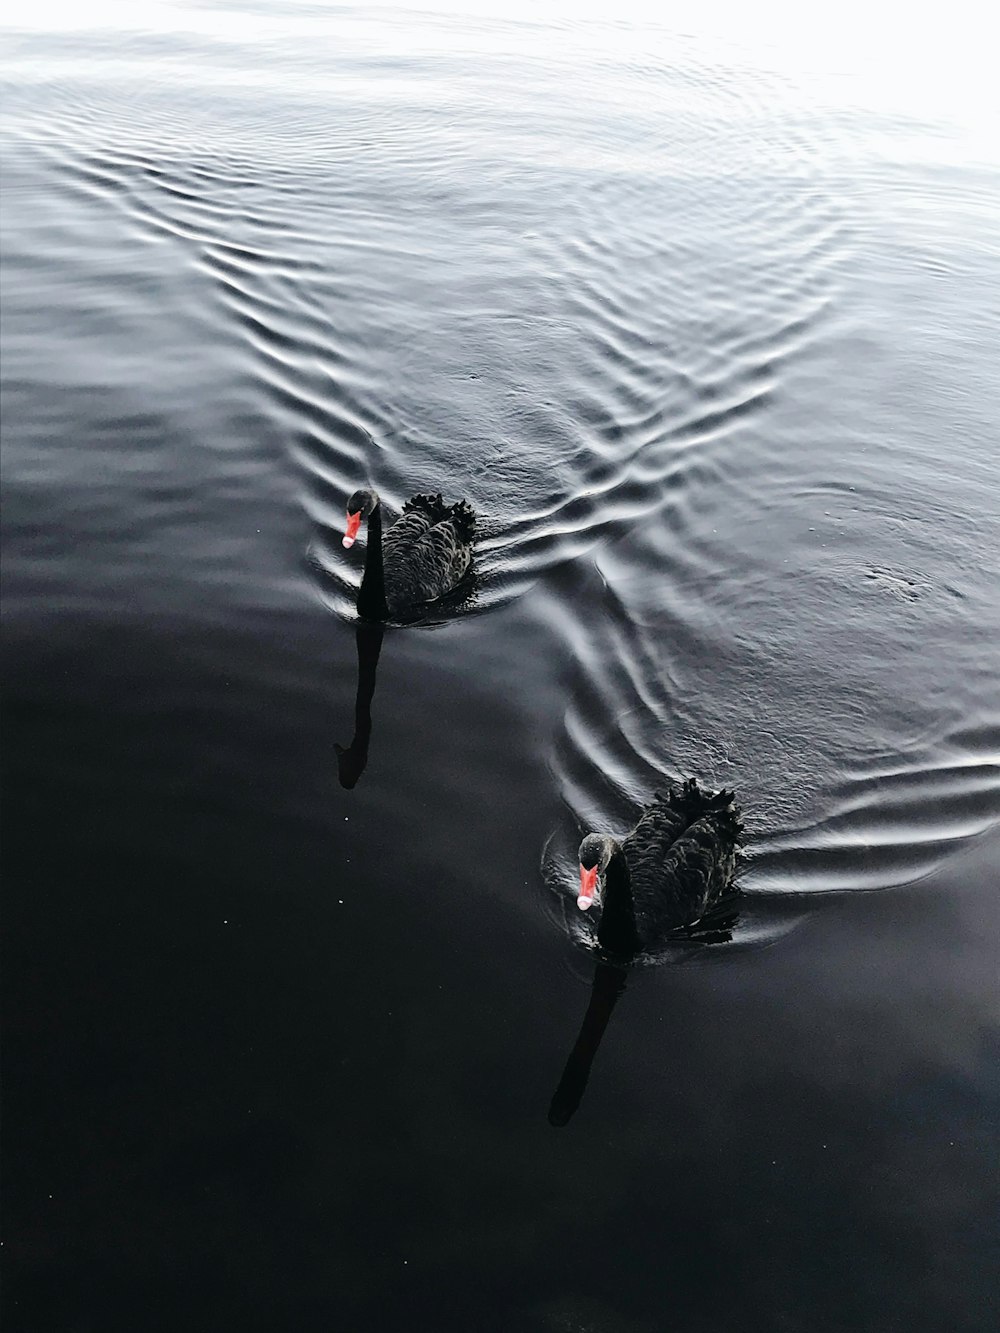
(371, 599)
(617, 931)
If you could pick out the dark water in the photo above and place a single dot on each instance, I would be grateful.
(709, 340)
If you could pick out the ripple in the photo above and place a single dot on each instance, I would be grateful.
(845, 787)
(352, 258)
(611, 323)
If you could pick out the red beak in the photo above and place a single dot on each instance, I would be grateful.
(588, 887)
(353, 523)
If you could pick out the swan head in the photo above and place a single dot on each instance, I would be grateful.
(359, 506)
(595, 853)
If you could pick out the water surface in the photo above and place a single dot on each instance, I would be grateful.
(708, 339)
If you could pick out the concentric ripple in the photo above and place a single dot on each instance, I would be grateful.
(855, 724)
(665, 330)
(428, 293)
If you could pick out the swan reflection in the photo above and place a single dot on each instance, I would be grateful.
(351, 760)
(609, 982)
(610, 978)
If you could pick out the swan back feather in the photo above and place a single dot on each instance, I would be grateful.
(681, 856)
(428, 550)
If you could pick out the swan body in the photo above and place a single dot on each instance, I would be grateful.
(675, 865)
(423, 556)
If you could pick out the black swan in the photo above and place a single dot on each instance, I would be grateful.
(674, 870)
(427, 552)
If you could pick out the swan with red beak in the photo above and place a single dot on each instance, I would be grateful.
(424, 555)
(678, 863)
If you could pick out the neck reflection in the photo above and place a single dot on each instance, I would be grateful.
(609, 982)
(351, 760)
